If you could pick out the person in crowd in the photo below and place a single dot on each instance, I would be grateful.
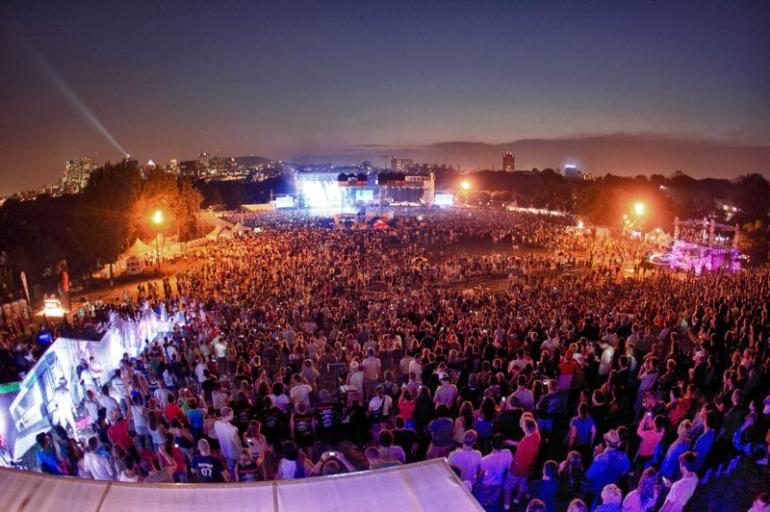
(610, 466)
(206, 468)
(98, 464)
(46, 456)
(494, 468)
(682, 490)
(645, 497)
(612, 498)
(524, 458)
(466, 459)
(441, 434)
(761, 503)
(545, 489)
(228, 437)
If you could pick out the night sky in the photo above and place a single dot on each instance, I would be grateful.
(295, 79)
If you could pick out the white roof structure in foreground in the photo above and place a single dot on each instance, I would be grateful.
(425, 486)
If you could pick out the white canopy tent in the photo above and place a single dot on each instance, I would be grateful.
(425, 486)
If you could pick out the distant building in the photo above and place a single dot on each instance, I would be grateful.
(76, 175)
(509, 162)
(400, 164)
(203, 164)
(188, 168)
(173, 167)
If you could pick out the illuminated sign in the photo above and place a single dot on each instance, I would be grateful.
(284, 202)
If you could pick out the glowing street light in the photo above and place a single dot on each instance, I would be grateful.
(465, 185)
(639, 208)
(157, 219)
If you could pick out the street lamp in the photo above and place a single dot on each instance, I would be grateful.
(157, 219)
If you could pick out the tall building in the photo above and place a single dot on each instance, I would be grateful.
(509, 162)
(203, 164)
(400, 164)
(173, 167)
(76, 175)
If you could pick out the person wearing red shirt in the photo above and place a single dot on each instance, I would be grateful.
(118, 434)
(524, 459)
(172, 410)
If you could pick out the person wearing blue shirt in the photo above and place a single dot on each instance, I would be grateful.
(195, 416)
(545, 489)
(609, 466)
(670, 465)
(705, 441)
(47, 460)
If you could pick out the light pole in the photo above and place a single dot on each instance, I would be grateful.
(157, 219)
(465, 187)
(639, 210)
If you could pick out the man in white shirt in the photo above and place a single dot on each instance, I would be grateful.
(99, 467)
(683, 489)
(220, 351)
(380, 405)
(466, 459)
(300, 391)
(106, 401)
(229, 441)
(161, 394)
(493, 469)
(200, 372)
(608, 351)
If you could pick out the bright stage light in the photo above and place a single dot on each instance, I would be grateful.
(639, 208)
(324, 197)
(465, 185)
(52, 308)
(157, 217)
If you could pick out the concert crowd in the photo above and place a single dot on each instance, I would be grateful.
(307, 349)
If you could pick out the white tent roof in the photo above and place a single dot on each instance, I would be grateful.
(138, 248)
(430, 485)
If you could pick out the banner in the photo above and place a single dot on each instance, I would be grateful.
(26, 288)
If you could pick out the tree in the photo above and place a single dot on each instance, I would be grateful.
(178, 200)
(754, 240)
(103, 225)
(751, 196)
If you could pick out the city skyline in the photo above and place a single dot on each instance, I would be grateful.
(306, 81)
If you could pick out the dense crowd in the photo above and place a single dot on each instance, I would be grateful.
(311, 350)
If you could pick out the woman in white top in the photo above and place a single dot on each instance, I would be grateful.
(293, 465)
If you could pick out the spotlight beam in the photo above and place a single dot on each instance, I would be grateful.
(73, 99)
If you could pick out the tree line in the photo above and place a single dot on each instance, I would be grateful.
(89, 230)
(82, 233)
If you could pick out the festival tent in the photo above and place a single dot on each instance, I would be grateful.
(239, 228)
(138, 248)
(425, 486)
